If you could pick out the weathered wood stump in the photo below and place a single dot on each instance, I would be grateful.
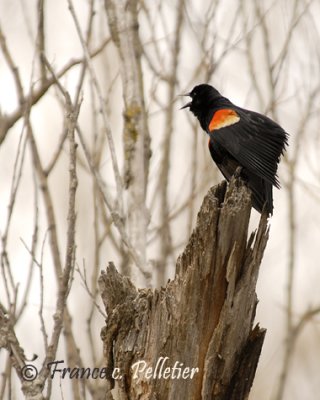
(194, 338)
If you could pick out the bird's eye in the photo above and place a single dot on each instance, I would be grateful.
(195, 99)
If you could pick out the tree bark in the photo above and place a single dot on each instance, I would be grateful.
(124, 29)
(201, 320)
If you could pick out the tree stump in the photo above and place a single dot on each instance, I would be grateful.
(194, 338)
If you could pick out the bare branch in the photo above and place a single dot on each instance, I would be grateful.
(7, 121)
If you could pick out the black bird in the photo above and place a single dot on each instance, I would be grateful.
(241, 138)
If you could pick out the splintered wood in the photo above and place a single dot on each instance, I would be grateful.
(193, 338)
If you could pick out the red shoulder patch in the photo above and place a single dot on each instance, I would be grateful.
(223, 118)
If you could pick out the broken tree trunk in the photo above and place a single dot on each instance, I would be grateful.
(194, 338)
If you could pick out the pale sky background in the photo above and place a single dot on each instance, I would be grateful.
(300, 76)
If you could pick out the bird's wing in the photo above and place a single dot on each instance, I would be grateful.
(254, 140)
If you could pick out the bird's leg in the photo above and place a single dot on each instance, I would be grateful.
(237, 172)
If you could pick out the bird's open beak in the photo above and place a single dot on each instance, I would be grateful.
(188, 104)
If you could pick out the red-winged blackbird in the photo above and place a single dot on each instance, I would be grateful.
(241, 138)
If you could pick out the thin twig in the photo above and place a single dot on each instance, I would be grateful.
(107, 128)
(165, 238)
(7, 121)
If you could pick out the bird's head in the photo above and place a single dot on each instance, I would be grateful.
(202, 97)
